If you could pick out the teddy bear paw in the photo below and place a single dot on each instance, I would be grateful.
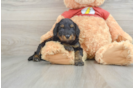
(117, 53)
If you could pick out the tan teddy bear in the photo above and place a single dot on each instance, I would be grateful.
(100, 36)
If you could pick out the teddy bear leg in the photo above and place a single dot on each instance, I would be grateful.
(60, 58)
(55, 53)
(116, 53)
(64, 58)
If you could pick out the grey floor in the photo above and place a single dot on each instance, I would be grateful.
(17, 72)
(22, 24)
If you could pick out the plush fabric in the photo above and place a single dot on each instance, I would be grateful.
(55, 53)
(102, 39)
(75, 4)
(87, 11)
(118, 53)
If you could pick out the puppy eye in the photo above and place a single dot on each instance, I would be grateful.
(62, 26)
(71, 25)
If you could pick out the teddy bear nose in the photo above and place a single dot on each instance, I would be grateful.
(67, 36)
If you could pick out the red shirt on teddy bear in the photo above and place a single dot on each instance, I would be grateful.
(87, 11)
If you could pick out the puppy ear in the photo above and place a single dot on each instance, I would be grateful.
(55, 30)
(77, 30)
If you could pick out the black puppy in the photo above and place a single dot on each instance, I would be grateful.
(66, 32)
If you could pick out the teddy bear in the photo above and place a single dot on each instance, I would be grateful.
(101, 37)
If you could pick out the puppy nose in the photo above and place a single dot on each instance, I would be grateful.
(67, 36)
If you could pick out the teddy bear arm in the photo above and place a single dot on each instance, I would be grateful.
(116, 31)
(49, 34)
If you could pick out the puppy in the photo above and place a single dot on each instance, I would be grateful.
(66, 32)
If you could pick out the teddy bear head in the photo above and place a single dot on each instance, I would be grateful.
(76, 4)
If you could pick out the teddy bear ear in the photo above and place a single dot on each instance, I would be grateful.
(75, 4)
(98, 2)
(87, 2)
(90, 2)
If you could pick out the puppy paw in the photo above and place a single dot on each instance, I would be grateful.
(79, 63)
(69, 48)
(36, 58)
(30, 58)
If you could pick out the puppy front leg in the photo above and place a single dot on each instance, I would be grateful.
(78, 57)
(68, 47)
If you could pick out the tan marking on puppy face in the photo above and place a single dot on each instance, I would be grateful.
(63, 38)
(62, 26)
(72, 37)
(71, 25)
(60, 37)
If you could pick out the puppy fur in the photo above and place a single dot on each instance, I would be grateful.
(67, 33)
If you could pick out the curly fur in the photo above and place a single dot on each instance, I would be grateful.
(57, 51)
(97, 35)
(92, 36)
(75, 4)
